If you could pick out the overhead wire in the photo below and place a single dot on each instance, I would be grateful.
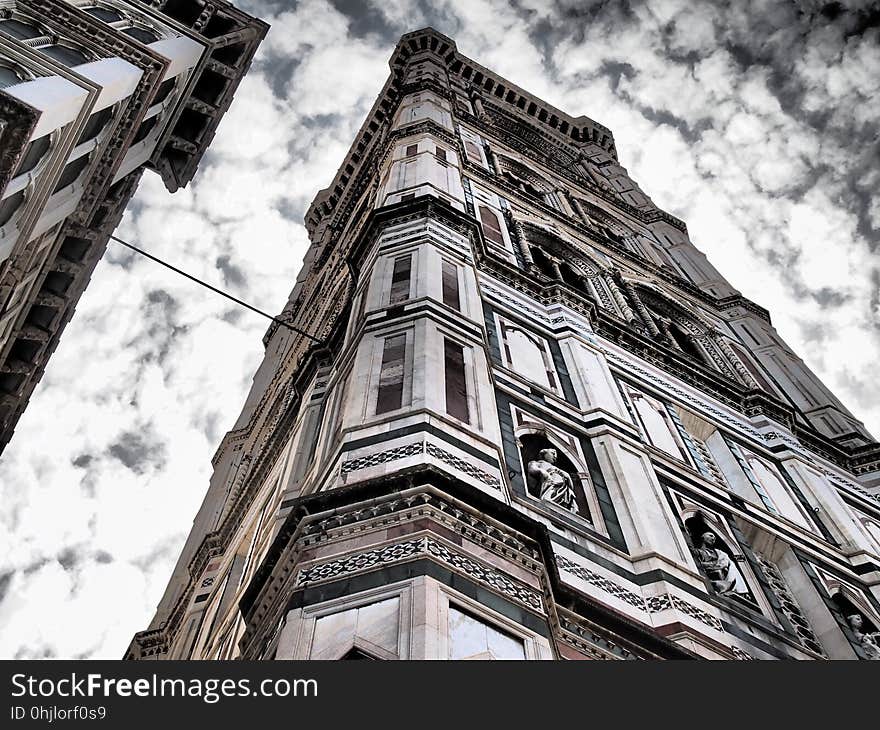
(214, 289)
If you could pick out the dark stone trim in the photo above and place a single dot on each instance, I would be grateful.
(865, 568)
(420, 428)
(412, 569)
(421, 309)
(755, 641)
(492, 334)
(562, 372)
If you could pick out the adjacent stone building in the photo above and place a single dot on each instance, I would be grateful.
(91, 94)
(530, 421)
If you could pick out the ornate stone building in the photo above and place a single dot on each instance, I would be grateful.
(91, 94)
(530, 421)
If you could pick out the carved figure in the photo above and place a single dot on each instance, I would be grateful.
(869, 641)
(717, 566)
(554, 484)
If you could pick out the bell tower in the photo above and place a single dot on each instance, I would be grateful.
(517, 414)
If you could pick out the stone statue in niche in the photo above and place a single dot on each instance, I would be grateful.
(718, 567)
(554, 484)
(868, 640)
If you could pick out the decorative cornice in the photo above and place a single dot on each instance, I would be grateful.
(503, 529)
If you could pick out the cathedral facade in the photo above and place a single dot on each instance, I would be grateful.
(92, 93)
(511, 412)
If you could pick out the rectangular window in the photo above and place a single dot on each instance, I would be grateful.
(491, 225)
(450, 286)
(400, 279)
(440, 152)
(412, 150)
(456, 381)
(390, 396)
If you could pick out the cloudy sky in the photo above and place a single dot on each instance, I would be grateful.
(756, 124)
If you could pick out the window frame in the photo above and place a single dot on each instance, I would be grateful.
(535, 646)
(377, 354)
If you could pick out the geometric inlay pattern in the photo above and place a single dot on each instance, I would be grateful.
(419, 547)
(651, 604)
(609, 586)
(402, 452)
(463, 466)
(382, 457)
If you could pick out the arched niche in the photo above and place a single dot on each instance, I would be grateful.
(716, 558)
(532, 441)
(862, 623)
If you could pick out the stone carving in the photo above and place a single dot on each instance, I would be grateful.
(868, 640)
(718, 567)
(554, 484)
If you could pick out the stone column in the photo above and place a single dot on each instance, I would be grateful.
(738, 366)
(562, 195)
(579, 210)
(644, 314)
(493, 158)
(617, 295)
(519, 234)
(664, 330)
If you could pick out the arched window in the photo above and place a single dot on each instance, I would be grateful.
(657, 425)
(685, 342)
(772, 488)
(543, 262)
(473, 152)
(570, 276)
